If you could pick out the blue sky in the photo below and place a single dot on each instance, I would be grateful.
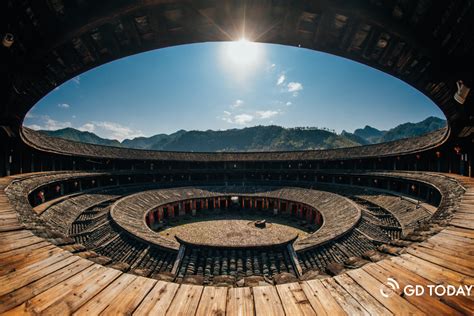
(228, 85)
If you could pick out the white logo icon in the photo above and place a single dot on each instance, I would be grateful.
(388, 289)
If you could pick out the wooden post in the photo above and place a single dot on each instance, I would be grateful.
(469, 166)
(181, 208)
(151, 221)
(179, 258)
(294, 260)
(160, 214)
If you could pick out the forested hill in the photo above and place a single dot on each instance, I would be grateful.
(258, 138)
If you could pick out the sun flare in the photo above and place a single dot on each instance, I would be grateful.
(242, 54)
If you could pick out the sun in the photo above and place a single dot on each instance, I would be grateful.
(242, 55)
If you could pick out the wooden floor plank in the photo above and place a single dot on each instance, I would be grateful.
(428, 304)
(127, 301)
(267, 301)
(463, 217)
(22, 251)
(432, 304)
(446, 236)
(14, 226)
(16, 235)
(158, 299)
(454, 239)
(466, 255)
(320, 298)
(370, 304)
(395, 304)
(213, 301)
(19, 256)
(444, 260)
(40, 302)
(431, 271)
(25, 293)
(102, 300)
(451, 244)
(8, 219)
(12, 244)
(462, 223)
(294, 299)
(26, 259)
(461, 232)
(35, 271)
(240, 302)
(78, 295)
(186, 300)
(345, 300)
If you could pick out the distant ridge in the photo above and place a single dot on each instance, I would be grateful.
(258, 138)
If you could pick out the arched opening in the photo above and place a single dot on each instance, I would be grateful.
(234, 96)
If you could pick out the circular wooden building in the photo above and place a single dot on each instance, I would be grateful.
(90, 229)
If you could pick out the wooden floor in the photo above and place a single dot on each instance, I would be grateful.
(38, 277)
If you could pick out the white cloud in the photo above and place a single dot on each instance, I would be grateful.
(64, 105)
(116, 131)
(34, 126)
(271, 67)
(104, 128)
(281, 80)
(267, 114)
(53, 124)
(88, 127)
(44, 122)
(294, 87)
(288, 103)
(227, 119)
(243, 119)
(237, 104)
(73, 116)
(240, 119)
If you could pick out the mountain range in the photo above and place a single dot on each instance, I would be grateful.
(258, 138)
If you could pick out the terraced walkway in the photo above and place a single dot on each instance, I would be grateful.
(39, 277)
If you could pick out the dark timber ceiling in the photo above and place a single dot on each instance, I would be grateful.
(428, 44)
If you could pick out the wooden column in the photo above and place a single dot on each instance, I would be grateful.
(294, 260)
(160, 214)
(182, 208)
(179, 258)
(469, 166)
(151, 219)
